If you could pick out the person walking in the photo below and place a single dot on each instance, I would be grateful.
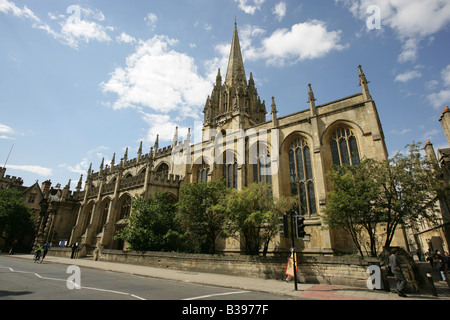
(441, 265)
(74, 249)
(13, 247)
(445, 261)
(430, 258)
(397, 271)
(46, 248)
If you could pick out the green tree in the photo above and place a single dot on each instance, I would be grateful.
(16, 220)
(199, 213)
(383, 195)
(353, 203)
(411, 185)
(152, 225)
(252, 216)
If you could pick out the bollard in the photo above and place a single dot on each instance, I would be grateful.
(433, 288)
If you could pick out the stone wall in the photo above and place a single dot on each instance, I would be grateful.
(333, 270)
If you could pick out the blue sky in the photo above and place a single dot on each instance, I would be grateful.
(82, 80)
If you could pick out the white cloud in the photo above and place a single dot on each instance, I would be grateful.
(83, 166)
(151, 20)
(46, 172)
(279, 10)
(401, 132)
(159, 78)
(5, 129)
(6, 132)
(407, 76)
(445, 75)
(84, 31)
(125, 38)
(79, 25)
(441, 98)
(411, 20)
(429, 134)
(163, 126)
(82, 26)
(250, 6)
(431, 85)
(409, 51)
(307, 40)
(9, 7)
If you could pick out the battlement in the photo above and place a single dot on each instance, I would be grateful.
(163, 179)
(9, 180)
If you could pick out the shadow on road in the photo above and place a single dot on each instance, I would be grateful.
(4, 293)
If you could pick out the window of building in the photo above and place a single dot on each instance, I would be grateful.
(202, 173)
(164, 168)
(32, 198)
(262, 166)
(229, 170)
(344, 148)
(301, 176)
(125, 208)
(104, 215)
(90, 211)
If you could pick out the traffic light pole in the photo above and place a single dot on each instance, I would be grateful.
(294, 256)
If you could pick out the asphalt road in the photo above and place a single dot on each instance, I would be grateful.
(21, 279)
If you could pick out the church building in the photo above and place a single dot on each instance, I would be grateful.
(292, 153)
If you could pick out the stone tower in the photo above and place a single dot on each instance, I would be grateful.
(234, 104)
(445, 122)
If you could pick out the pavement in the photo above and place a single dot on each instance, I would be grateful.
(280, 287)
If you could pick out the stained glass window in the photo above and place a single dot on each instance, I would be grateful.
(202, 173)
(301, 176)
(344, 148)
(229, 171)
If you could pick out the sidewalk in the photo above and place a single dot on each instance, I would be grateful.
(314, 291)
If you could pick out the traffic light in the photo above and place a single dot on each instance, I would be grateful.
(300, 227)
(284, 226)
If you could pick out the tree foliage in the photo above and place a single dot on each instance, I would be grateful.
(16, 220)
(352, 203)
(252, 216)
(411, 186)
(199, 213)
(152, 224)
(383, 195)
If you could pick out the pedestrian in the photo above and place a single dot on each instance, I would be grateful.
(46, 248)
(13, 247)
(74, 249)
(445, 262)
(397, 271)
(440, 266)
(430, 257)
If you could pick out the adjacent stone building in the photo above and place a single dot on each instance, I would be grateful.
(436, 235)
(293, 153)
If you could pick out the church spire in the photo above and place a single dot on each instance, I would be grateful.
(235, 71)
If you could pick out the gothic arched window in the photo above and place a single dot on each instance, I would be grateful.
(104, 216)
(262, 172)
(344, 148)
(125, 208)
(229, 170)
(90, 211)
(301, 176)
(202, 173)
(163, 167)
